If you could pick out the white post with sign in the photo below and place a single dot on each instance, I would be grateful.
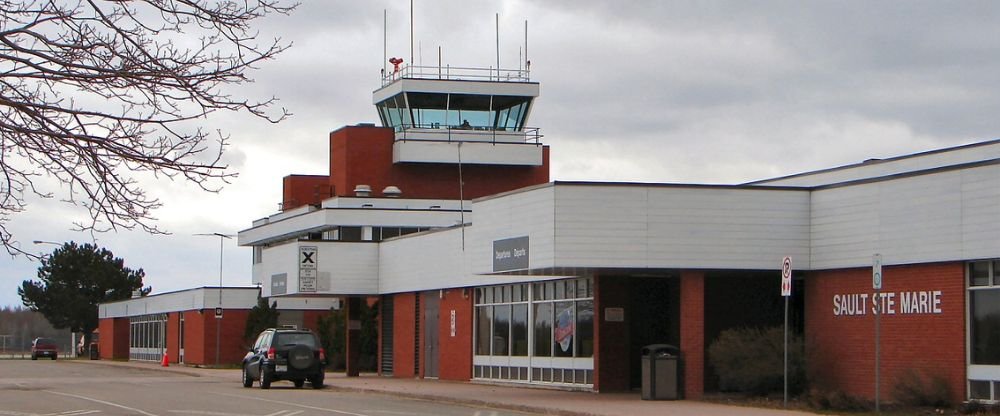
(786, 292)
(877, 285)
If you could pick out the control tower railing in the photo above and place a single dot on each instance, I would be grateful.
(448, 72)
(441, 133)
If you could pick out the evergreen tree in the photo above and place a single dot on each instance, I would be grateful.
(73, 280)
(261, 317)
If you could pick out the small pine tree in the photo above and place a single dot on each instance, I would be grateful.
(261, 317)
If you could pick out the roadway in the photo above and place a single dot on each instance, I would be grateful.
(67, 388)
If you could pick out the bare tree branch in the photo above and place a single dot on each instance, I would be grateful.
(95, 91)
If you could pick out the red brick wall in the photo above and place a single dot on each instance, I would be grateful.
(194, 340)
(232, 345)
(841, 349)
(693, 332)
(113, 341)
(299, 190)
(310, 319)
(455, 359)
(402, 335)
(611, 372)
(173, 336)
(363, 155)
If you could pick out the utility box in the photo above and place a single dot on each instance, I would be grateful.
(94, 351)
(661, 372)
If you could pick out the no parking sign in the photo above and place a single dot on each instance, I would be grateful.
(786, 276)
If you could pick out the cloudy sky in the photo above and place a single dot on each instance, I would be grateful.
(639, 91)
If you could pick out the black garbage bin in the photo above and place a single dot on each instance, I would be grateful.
(93, 351)
(660, 372)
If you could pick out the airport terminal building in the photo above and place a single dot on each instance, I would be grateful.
(486, 270)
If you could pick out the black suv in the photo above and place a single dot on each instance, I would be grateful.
(285, 354)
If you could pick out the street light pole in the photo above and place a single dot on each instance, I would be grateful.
(218, 319)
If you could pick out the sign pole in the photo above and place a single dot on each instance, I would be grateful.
(786, 292)
(786, 352)
(877, 285)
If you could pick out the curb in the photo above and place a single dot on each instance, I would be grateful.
(465, 402)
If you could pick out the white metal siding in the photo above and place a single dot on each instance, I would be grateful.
(185, 300)
(946, 216)
(680, 227)
(352, 268)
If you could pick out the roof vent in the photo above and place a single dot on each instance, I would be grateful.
(362, 190)
(392, 191)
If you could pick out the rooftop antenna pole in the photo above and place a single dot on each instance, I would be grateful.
(526, 61)
(498, 46)
(385, 39)
(411, 32)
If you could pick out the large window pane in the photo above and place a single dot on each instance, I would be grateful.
(484, 317)
(564, 329)
(501, 329)
(984, 306)
(543, 329)
(519, 330)
(585, 328)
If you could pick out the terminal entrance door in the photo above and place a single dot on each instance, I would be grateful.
(430, 319)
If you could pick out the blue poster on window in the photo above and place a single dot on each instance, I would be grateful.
(564, 328)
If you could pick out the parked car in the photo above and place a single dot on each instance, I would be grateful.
(44, 347)
(285, 354)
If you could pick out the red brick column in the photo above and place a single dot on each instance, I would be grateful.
(611, 367)
(693, 332)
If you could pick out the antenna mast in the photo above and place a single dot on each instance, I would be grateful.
(411, 32)
(498, 46)
(385, 39)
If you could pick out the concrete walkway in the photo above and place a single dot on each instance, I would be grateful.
(533, 400)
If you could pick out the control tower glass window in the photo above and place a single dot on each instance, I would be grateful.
(430, 111)
(454, 111)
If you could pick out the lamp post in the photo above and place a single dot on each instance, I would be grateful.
(218, 318)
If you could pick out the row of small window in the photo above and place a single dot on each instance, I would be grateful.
(546, 375)
(984, 273)
(560, 329)
(582, 288)
(345, 233)
(984, 390)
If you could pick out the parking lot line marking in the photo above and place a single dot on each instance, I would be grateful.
(322, 409)
(106, 403)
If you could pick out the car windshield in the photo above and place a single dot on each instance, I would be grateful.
(44, 342)
(300, 338)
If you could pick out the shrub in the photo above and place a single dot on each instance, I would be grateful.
(750, 360)
(914, 388)
(836, 400)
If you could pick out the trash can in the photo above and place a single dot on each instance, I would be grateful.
(660, 372)
(93, 351)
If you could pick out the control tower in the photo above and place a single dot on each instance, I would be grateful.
(457, 115)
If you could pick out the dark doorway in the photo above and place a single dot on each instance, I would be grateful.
(654, 303)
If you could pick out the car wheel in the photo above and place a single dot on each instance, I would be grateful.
(34, 357)
(299, 383)
(247, 381)
(317, 381)
(53, 358)
(265, 379)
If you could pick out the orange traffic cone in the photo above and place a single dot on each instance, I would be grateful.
(166, 361)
